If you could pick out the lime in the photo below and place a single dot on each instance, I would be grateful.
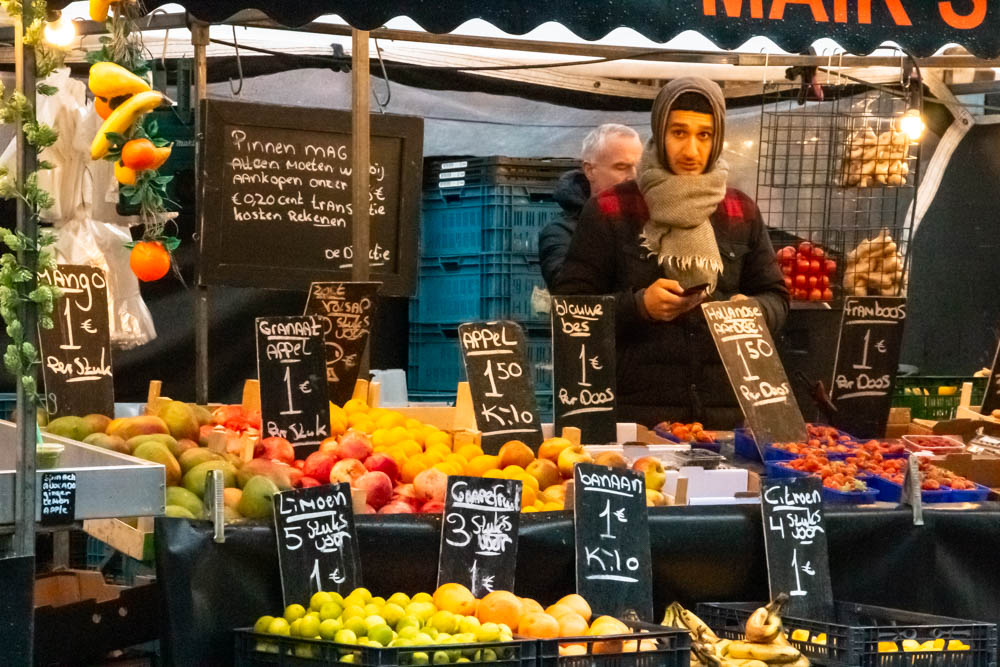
(486, 655)
(469, 625)
(420, 658)
(442, 638)
(354, 601)
(407, 622)
(319, 599)
(279, 626)
(328, 628)
(409, 632)
(371, 609)
(422, 597)
(345, 636)
(488, 632)
(441, 658)
(444, 621)
(356, 624)
(380, 633)
(422, 610)
(423, 639)
(392, 612)
(349, 658)
(353, 610)
(431, 631)
(401, 642)
(294, 611)
(262, 624)
(364, 593)
(465, 638)
(330, 610)
(401, 599)
(309, 627)
(374, 620)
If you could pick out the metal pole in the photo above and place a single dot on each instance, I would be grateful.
(360, 164)
(199, 38)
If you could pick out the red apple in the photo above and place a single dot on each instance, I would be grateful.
(377, 486)
(652, 468)
(354, 445)
(276, 449)
(397, 507)
(432, 506)
(383, 463)
(319, 465)
(329, 444)
(431, 484)
(346, 470)
(407, 494)
(308, 482)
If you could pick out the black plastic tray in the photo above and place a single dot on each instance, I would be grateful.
(673, 649)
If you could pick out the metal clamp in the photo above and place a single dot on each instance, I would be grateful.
(215, 505)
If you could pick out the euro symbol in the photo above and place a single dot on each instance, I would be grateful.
(88, 326)
(305, 388)
(595, 363)
(881, 346)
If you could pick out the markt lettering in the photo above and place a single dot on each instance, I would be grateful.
(734, 9)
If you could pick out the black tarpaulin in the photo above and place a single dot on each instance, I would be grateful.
(922, 26)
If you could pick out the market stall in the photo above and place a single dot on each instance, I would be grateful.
(215, 579)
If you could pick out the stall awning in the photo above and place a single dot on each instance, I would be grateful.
(859, 26)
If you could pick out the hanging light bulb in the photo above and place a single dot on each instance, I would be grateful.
(912, 124)
(61, 32)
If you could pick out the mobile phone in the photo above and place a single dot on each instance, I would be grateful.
(697, 289)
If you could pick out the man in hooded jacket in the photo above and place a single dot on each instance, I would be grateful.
(662, 244)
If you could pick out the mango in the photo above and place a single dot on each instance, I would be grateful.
(231, 514)
(255, 503)
(184, 444)
(97, 423)
(237, 461)
(278, 473)
(166, 440)
(231, 497)
(157, 452)
(178, 512)
(74, 428)
(180, 419)
(129, 427)
(181, 497)
(201, 413)
(194, 479)
(193, 457)
(112, 442)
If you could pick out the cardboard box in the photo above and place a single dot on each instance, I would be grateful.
(980, 469)
(58, 589)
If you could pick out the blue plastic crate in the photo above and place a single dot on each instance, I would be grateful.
(777, 470)
(452, 290)
(485, 218)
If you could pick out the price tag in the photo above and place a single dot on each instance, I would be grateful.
(871, 335)
(613, 567)
(479, 534)
(795, 536)
(317, 544)
(755, 371)
(503, 393)
(291, 367)
(58, 498)
(583, 357)
(992, 400)
(76, 351)
(346, 311)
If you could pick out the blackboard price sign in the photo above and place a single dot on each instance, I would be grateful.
(346, 311)
(291, 368)
(795, 536)
(613, 567)
(755, 371)
(503, 393)
(58, 498)
(583, 357)
(992, 400)
(276, 207)
(871, 335)
(77, 349)
(317, 544)
(479, 533)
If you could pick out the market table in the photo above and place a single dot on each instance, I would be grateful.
(716, 553)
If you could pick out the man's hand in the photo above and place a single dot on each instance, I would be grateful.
(664, 300)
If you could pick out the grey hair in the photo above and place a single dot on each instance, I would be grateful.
(594, 141)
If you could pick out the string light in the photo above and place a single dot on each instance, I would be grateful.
(61, 32)
(912, 124)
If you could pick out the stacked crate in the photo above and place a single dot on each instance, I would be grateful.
(479, 261)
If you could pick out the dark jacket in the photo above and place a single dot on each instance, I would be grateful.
(572, 192)
(670, 370)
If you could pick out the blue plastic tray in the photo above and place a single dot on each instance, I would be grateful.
(968, 495)
(777, 471)
(712, 446)
(891, 492)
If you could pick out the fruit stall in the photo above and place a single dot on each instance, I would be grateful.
(284, 540)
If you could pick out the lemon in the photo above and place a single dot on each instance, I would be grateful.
(392, 613)
(469, 625)
(422, 610)
(422, 639)
(407, 622)
(353, 610)
(422, 597)
(441, 658)
(380, 601)
(309, 627)
(293, 629)
(345, 636)
(362, 592)
(330, 610)
(444, 621)
(374, 620)
(356, 624)
(409, 633)
(294, 612)
(328, 628)
(318, 599)
(488, 632)
(262, 624)
(420, 658)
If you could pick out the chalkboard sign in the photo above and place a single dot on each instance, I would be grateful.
(503, 393)
(479, 534)
(871, 336)
(317, 544)
(58, 498)
(795, 536)
(76, 351)
(275, 206)
(291, 368)
(755, 371)
(583, 358)
(346, 311)
(992, 400)
(613, 567)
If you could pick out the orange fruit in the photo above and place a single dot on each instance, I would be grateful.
(550, 448)
(513, 472)
(527, 497)
(139, 154)
(555, 494)
(479, 465)
(528, 480)
(469, 452)
(552, 507)
(493, 474)
(455, 598)
(608, 625)
(557, 610)
(580, 606)
(531, 606)
(412, 467)
(149, 260)
(516, 453)
(438, 438)
(572, 649)
(410, 446)
(529, 510)
(571, 624)
(500, 607)
(538, 626)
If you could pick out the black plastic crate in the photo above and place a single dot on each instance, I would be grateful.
(673, 649)
(254, 649)
(854, 633)
(494, 170)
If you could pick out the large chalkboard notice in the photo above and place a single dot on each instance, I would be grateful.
(864, 373)
(992, 400)
(346, 311)
(76, 351)
(275, 206)
(755, 371)
(503, 393)
(583, 358)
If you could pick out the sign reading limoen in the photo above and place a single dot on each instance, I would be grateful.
(58, 498)
(479, 534)
(795, 537)
(346, 311)
(583, 358)
(613, 567)
(503, 394)
(317, 544)
(76, 351)
(871, 335)
(755, 371)
(291, 368)
(992, 400)
(276, 209)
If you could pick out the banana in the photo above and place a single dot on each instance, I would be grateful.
(695, 625)
(669, 617)
(110, 80)
(769, 653)
(764, 625)
(99, 10)
(801, 662)
(121, 120)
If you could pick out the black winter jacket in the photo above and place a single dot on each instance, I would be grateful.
(670, 370)
(571, 192)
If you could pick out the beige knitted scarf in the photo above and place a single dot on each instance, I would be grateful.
(678, 231)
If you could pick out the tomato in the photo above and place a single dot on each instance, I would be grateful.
(824, 282)
(788, 283)
(815, 266)
(827, 294)
(806, 248)
(800, 281)
(149, 260)
(818, 253)
(786, 254)
(802, 266)
(139, 154)
(813, 282)
(829, 266)
(787, 269)
(816, 295)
